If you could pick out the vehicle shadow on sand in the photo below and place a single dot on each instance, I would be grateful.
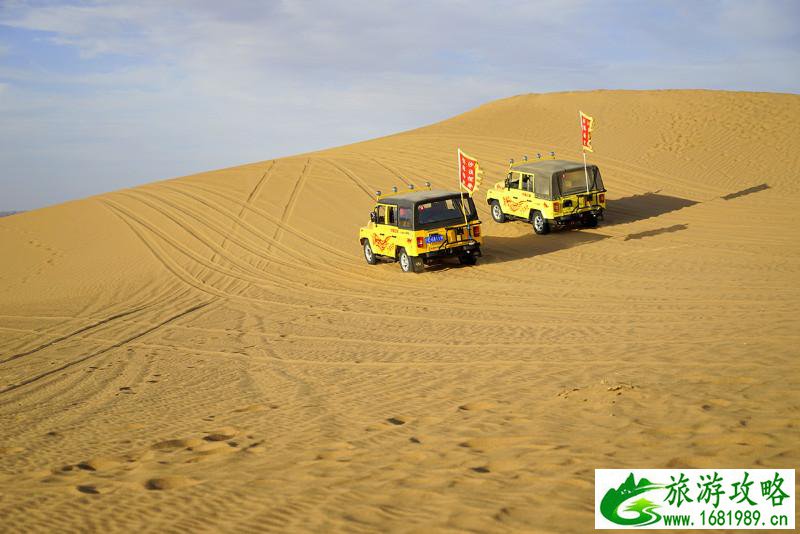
(657, 231)
(624, 210)
(745, 192)
(498, 249)
(645, 206)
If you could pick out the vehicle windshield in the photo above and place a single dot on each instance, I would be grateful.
(572, 182)
(446, 210)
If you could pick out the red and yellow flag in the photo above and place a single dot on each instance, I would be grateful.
(469, 172)
(587, 125)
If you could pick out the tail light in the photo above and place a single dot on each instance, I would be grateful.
(476, 231)
(556, 206)
(420, 242)
(601, 198)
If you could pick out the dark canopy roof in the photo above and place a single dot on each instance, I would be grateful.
(547, 167)
(415, 197)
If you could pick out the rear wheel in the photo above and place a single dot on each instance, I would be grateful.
(540, 224)
(410, 264)
(467, 259)
(368, 254)
(589, 220)
(497, 212)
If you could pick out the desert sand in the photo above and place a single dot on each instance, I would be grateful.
(213, 353)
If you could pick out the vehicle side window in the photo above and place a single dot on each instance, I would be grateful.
(391, 215)
(527, 182)
(513, 182)
(381, 211)
(404, 217)
(541, 186)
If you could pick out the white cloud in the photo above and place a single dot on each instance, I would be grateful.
(194, 85)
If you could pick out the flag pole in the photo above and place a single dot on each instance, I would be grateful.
(583, 149)
(461, 196)
(586, 171)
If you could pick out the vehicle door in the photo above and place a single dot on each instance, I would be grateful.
(527, 196)
(391, 230)
(512, 200)
(381, 235)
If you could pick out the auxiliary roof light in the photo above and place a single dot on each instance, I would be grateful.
(411, 186)
(538, 155)
(525, 157)
(378, 193)
(427, 184)
(511, 161)
(553, 154)
(394, 189)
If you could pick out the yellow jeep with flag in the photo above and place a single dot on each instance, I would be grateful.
(549, 192)
(418, 227)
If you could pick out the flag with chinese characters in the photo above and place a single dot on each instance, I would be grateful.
(587, 125)
(469, 172)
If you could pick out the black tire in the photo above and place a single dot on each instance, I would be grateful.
(497, 212)
(589, 220)
(467, 259)
(409, 264)
(539, 223)
(368, 254)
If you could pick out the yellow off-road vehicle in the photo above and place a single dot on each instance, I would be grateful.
(420, 226)
(549, 192)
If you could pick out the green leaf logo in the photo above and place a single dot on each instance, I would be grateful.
(645, 509)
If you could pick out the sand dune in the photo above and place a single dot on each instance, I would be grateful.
(212, 352)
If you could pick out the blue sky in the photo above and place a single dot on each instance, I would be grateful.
(99, 95)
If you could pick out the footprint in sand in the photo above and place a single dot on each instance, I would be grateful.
(222, 434)
(251, 408)
(96, 489)
(169, 483)
(477, 406)
(98, 464)
(175, 444)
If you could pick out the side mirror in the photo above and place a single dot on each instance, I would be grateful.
(508, 185)
(373, 217)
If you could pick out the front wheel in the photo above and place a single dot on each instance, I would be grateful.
(497, 212)
(540, 224)
(368, 254)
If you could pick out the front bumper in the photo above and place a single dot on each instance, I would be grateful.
(471, 247)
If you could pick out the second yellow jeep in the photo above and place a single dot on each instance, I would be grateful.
(419, 227)
(549, 192)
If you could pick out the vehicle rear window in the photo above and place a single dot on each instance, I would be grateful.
(573, 182)
(444, 210)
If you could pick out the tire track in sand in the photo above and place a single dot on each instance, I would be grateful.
(79, 331)
(396, 173)
(117, 345)
(361, 184)
(254, 194)
(288, 209)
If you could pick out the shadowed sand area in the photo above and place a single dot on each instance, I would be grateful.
(212, 352)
